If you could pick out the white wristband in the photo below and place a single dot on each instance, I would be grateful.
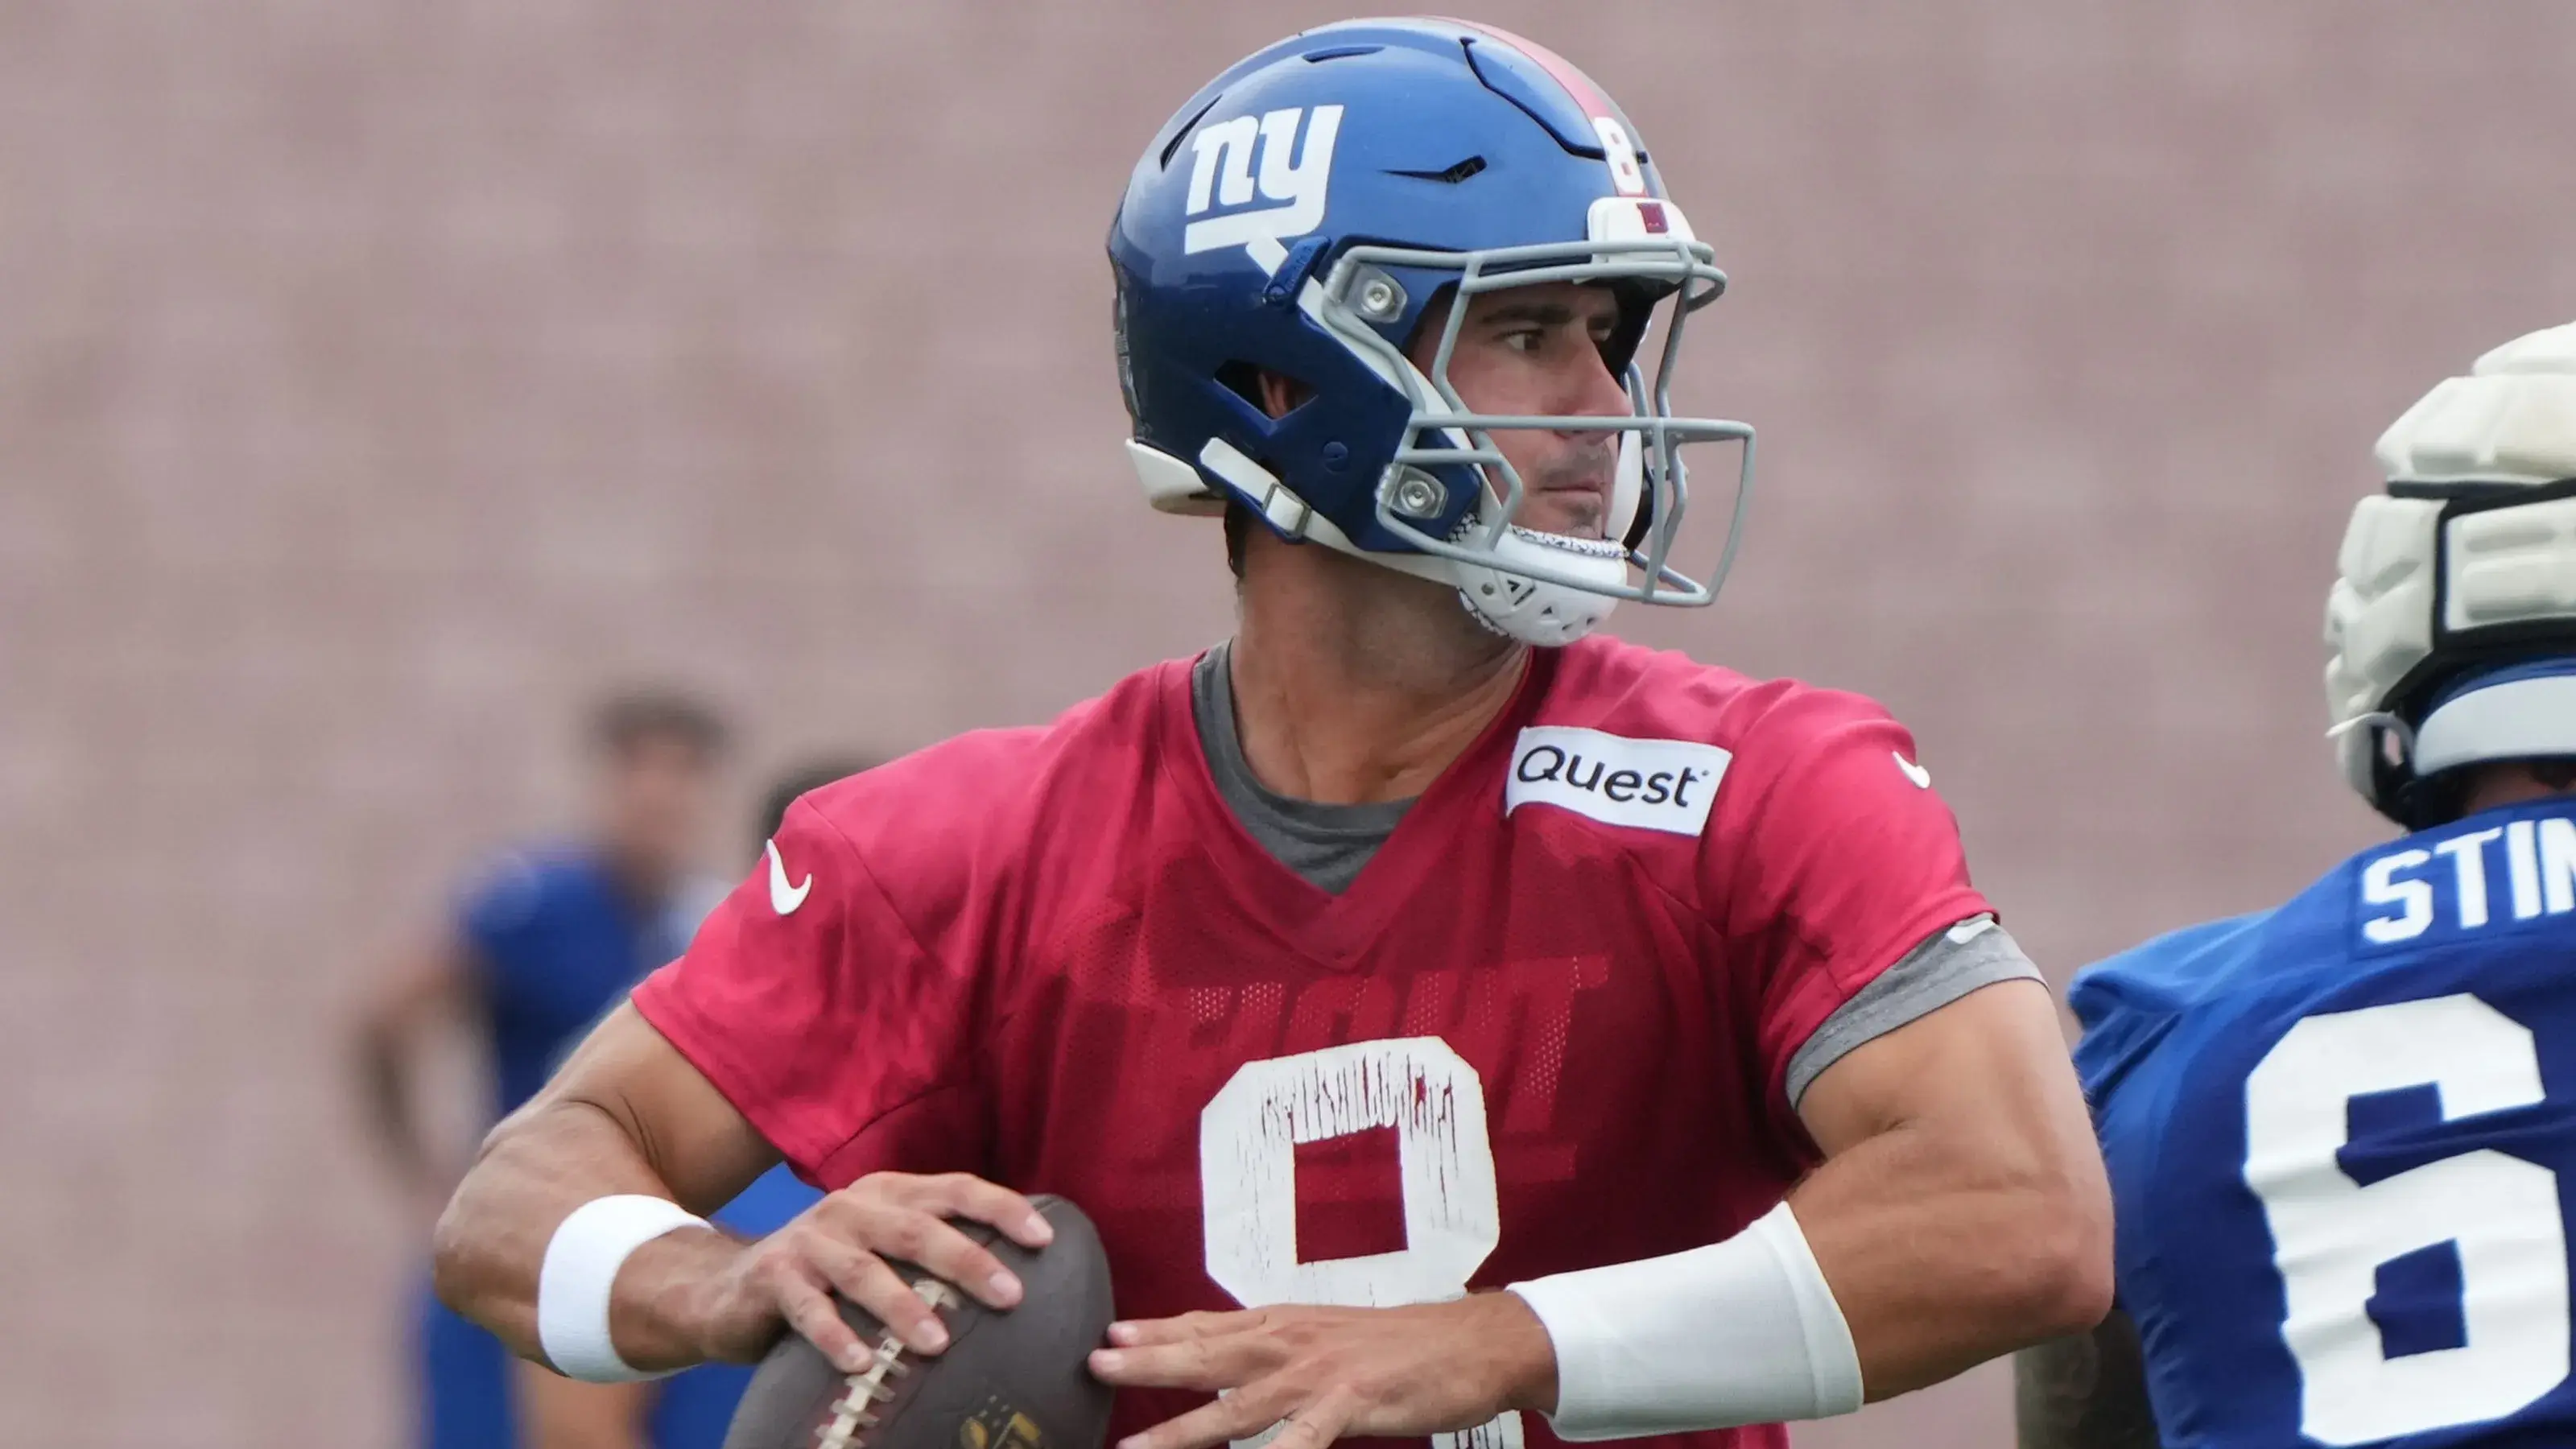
(581, 1266)
(1741, 1332)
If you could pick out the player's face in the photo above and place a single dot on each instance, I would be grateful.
(658, 798)
(1538, 350)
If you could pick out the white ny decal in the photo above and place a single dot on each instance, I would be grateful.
(1293, 175)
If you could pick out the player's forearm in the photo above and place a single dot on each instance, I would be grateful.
(534, 1170)
(1946, 1248)
(428, 989)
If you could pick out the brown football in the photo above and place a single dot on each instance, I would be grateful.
(1007, 1380)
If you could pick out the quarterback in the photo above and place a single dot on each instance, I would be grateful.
(2339, 1132)
(1459, 1024)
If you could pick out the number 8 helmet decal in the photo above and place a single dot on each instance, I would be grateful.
(1305, 212)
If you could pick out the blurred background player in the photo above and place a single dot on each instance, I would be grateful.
(2339, 1132)
(545, 941)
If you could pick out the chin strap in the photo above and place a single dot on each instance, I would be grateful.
(1534, 611)
(2378, 720)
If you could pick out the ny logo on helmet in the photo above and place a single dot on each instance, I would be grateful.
(1292, 175)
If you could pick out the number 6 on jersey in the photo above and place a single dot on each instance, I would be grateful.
(2331, 1235)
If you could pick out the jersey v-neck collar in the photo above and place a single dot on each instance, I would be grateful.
(1334, 930)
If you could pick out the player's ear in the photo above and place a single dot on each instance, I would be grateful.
(1279, 394)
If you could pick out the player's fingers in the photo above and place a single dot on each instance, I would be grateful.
(1205, 1364)
(919, 1237)
(964, 1195)
(810, 1311)
(881, 1219)
(1318, 1424)
(1144, 1332)
(1238, 1415)
(870, 1282)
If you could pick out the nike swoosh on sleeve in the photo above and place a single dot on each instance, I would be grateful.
(784, 898)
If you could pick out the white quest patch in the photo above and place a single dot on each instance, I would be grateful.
(1664, 785)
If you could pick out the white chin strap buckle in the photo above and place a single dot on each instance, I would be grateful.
(1539, 612)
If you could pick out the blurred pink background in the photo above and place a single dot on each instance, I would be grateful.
(377, 382)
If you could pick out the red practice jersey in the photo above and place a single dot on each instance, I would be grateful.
(1545, 1029)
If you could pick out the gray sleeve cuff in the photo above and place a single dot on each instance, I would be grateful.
(1939, 970)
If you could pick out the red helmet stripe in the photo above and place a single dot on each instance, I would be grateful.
(1577, 85)
(1618, 148)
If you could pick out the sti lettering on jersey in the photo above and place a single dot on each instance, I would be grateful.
(1294, 176)
(1662, 785)
(2470, 879)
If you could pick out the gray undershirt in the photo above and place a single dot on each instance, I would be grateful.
(1940, 969)
(1329, 845)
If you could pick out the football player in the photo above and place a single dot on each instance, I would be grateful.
(540, 947)
(2338, 1131)
(1457, 1022)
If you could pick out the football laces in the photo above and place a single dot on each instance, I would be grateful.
(854, 1412)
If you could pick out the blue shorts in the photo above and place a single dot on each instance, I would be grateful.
(465, 1398)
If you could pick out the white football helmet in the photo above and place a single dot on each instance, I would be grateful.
(2453, 624)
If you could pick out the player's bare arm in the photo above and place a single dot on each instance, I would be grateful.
(431, 986)
(628, 1115)
(2085, 1391)
(1961, 1213)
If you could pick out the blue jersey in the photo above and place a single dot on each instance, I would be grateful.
(555, 944)
(2342, 1143)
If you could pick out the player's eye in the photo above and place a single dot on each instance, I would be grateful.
(1525, 339)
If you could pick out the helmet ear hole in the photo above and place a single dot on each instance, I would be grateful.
(1270, 392)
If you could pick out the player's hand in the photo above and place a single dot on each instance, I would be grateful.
(1327, 1373)
(842, 1243)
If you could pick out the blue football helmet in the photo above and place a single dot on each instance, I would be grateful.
(1303, 213)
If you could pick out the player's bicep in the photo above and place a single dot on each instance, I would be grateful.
(1992, 1063)
(1941, 968)
(696, 1141)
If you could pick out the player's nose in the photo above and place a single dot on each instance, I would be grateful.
(1587, 388)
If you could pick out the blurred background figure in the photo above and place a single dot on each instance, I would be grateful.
(546, 939)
